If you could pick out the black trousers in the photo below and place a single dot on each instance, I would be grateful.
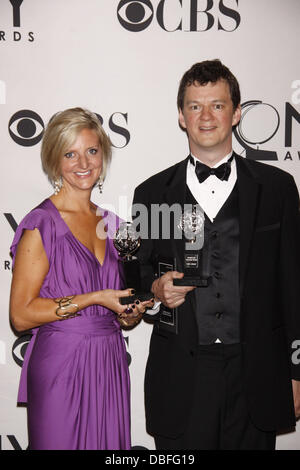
(219, 418)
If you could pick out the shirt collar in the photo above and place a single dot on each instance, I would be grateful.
(224, 160)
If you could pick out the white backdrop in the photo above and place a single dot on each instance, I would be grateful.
(123, 60)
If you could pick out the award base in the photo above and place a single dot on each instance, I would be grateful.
(131, 268)
(191, 281)
(142, 296)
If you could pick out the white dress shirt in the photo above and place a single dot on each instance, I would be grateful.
(213, 192)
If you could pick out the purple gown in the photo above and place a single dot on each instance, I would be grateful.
(75, 377)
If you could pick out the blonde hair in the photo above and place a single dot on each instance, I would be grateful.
(62, 131)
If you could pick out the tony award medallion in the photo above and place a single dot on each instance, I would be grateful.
(127, 242)
(195, 256)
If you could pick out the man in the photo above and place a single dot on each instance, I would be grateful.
(221, 372)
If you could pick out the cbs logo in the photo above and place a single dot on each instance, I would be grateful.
(26, 128)
(136, 15)
(19, 348)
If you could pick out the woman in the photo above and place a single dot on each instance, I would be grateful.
(75, 376)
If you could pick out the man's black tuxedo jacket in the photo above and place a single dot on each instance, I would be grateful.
(269, 275)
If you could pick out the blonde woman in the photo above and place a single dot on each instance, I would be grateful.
(75, 377)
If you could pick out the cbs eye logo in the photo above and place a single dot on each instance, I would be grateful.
(26, 128)
(135, 16)
(19, 349)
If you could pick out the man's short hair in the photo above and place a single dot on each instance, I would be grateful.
(205, 72)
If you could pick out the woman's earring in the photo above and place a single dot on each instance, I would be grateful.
(100, 185)
(57, 184)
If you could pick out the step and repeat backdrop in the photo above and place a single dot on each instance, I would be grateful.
(123, 59)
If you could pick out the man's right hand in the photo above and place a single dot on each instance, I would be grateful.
(165, 291)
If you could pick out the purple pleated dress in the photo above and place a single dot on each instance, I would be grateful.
(75, 377)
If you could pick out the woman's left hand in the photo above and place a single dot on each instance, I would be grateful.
(133, 313)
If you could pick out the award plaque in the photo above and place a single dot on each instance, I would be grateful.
(127, 242)
(168, 316)
(195, 256)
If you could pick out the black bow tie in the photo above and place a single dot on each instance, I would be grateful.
(203, 171)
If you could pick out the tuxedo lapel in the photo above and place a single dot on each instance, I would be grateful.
(175, 193)
(248, 191)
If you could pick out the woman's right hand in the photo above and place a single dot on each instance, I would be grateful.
(110, 298)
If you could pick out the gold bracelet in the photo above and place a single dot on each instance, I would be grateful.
(63, 304)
